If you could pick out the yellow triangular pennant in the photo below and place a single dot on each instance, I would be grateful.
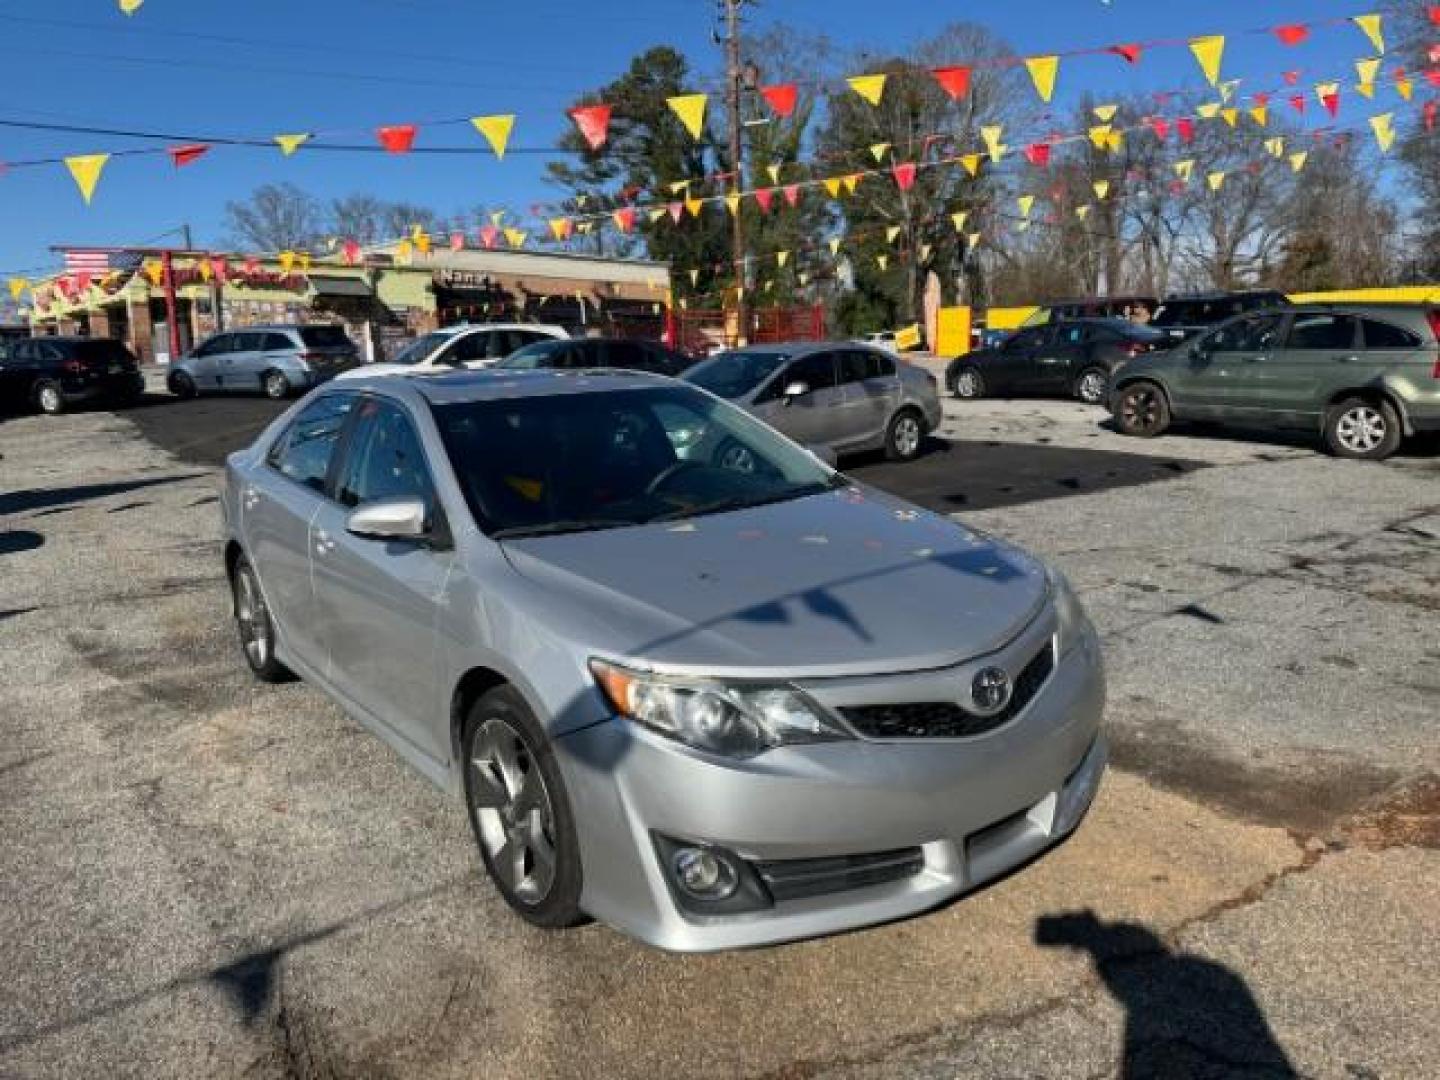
(1082, 212)
(1227, 89)
(1367, 70)
(1101, 188)
(129, 7)
(1208, 52)
(657, 213)
(883, 261)
(86, 169)
(971, 163)
(1105, 113)
(782, 257)
(496, 130)
(774, 171)
(1216, 180)
(869, 87)
(991, 134)
(924, 253)
(677, 186)
(17, 286)
(694, 206)
(516, 237)
(1275, 147)
(1404, 87)
(290, 143)
(851, 182)
(1260, 114)
(972, 241)
(287, 261)
(1384, 128)
(1231, 116)
(1370, 25)
(1184, 169)
(1208, 111)
(1297, 161)
(959, 220)
(732, 203)
(1100, 136)
(690, 108)
(832, 185)
(879, 150)
(1115, 141)
(835, 245)
(1043, 70)
(891, 233)
(1026, 204)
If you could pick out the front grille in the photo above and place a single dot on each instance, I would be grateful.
(795, 879)
(946, 719)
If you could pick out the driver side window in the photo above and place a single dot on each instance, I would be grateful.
(816, 371)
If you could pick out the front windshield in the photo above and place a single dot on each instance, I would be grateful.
(572, 462)
(420, 348)
(735, 374)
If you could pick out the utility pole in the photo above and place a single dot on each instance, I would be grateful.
(733, 77)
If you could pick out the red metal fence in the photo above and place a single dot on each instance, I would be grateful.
(699, 331)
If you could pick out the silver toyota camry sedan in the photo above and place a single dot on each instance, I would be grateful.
(713, 707)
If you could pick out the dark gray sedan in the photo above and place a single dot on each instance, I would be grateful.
(845, 397)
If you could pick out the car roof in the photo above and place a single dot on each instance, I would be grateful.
(465, 328)
(502, 385)
(801, 348)
(1208, 296)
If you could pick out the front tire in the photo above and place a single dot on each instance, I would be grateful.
(256, 629)
(904, 436)
(969, 384)
(276, 385)
(1362, 429)
(49, 398)
(1142, 410)
(1092, 386)
(182, 385)
(520, 812)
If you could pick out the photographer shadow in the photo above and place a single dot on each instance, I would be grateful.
(1185, 1016)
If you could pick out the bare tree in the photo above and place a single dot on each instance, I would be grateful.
(358, 217)
(276, 217)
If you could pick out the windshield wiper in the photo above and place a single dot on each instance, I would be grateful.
(558, 528)
(738, 502)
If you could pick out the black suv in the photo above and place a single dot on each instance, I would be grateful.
(1182, 317)
(1074, 358)
(52, 373)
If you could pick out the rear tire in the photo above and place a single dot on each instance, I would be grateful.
(1142, 410)
(520, 812)
(276, 385)
(1363, 429)
(969, 383)
(182, 385)
(904, 436)
(1092, 386)
(49, 398)
(252, 620)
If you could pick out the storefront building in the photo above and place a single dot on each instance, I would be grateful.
(384, 301)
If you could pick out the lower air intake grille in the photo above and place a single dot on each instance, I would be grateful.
(946, 719)
(795, 879)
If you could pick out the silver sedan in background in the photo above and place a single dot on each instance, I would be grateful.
(712, 706)
(845, 396)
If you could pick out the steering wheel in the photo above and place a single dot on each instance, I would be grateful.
(669, 473)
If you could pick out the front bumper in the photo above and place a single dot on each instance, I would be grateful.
(975, 807)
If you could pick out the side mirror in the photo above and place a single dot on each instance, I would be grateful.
(795, 390)
(392, 519)
(825, 453)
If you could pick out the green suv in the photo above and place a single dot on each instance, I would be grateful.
(1362, 375)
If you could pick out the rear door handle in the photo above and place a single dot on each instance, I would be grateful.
(250, 499)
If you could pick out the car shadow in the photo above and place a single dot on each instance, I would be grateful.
(32, 499)
(1416, 446)
(1184, 1015)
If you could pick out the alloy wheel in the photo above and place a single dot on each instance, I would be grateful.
(276, 385)
(906, 436)
(252, 618)
(1141, 409)
(1360, 429)
(513, 811)
(967, 384)
(50, 399)
(1092, 387)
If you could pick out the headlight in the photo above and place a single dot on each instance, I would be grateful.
(1071, 621)
(735, 719)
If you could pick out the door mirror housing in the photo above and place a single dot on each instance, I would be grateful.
(795, 390)
(390, 519)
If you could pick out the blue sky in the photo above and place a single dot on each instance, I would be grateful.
(260, 67)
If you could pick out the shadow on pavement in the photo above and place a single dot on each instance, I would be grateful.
(16, 502)
(1185, 1016)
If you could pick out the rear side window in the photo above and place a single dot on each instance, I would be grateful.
(276, 343)
(103, 351)
(303, 453)
(1322, 332)
(249, 342)
(325, 337)
(1382, 335)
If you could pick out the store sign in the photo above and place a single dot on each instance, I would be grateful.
(462, 279)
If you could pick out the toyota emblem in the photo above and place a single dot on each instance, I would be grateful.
(990, 690)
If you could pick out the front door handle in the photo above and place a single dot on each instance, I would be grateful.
(323, 544)
(250, 499)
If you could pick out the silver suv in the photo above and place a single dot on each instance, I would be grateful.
(274, 360)
(714, 707)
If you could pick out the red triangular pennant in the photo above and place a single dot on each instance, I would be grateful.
(1331, 101)
(1161, 127)
(594, 124)
(489, 236)
(1297, 102)
(1129, 53)
(1038, 154)
(792, 194)
(1293, 34)
(676, 209)
(397, 138)
(1186, 127)
(763, 196)
(1430, 109)
(1291, 77)
(955, 81)
(781, 98)
(184, 155)
(221, 266)
(457, 241)
(1432, 76)
(351, 252)
(904, 174)
(625, 218)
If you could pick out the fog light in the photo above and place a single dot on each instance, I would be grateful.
(704, 874)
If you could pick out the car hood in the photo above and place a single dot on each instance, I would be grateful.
(847, 582)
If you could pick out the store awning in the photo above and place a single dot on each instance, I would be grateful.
(340, 286)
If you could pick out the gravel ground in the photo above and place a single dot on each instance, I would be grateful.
(204, 876)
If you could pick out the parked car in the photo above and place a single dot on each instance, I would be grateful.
(1182, 317)
(464, 346)
(274, 360)
(1362, 375)
(712, 707)
(53, 373)
(1075, 359)
(849, 398)
(621, 353)
(1089, 307)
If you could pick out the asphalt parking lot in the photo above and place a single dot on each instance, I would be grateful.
(206, 876)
